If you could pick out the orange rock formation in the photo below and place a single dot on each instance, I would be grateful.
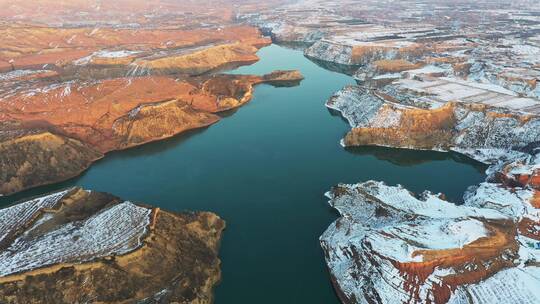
(395, 66)
(89, 119)
(71, 94)
(33, 47)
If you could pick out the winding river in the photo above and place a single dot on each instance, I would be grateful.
(265, 170)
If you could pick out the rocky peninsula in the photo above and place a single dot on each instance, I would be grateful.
(77, 246)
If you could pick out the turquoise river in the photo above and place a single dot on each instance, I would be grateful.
(264, 169)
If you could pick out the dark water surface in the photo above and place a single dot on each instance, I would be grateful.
(264, 170)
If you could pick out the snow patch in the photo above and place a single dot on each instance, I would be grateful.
(115, 231)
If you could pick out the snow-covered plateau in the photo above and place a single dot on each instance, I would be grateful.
(391, 246)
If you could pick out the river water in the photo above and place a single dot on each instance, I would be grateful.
(264, 169)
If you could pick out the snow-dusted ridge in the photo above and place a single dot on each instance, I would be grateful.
(114, 230)
(80, 246)
(105, 54)
(383, 246)
(19, 73)
(16, 217)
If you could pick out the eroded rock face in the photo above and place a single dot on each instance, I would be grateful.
(363, 53)
(31, 158)
(329, 51)
(387, 118)
(283, 78)
(78, 246)
(390, 246)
